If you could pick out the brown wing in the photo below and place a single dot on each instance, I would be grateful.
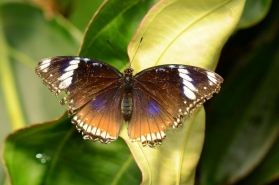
(81, 78)
(164, 95)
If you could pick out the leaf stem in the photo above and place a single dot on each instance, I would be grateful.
(8, 85)
(22, 57)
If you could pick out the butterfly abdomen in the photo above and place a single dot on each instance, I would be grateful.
(127, 106)
(127, 100)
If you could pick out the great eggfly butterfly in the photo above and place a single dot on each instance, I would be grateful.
(101, 97)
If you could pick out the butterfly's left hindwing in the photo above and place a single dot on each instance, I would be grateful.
(164, 95)
(101, 119)
(91, 87)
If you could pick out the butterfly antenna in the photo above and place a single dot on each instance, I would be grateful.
(136, 51)
(116, 52)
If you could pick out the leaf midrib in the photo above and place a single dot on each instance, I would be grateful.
(56, 156)
(107, 25)
(205, 14)
(193, 116)
(122, 170)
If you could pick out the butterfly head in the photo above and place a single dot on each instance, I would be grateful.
(128, 71)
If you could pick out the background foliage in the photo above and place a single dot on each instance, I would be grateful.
(241, 140)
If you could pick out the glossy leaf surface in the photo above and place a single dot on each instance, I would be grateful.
(119, 169)
(241, 138)
(54, 153)
(118, 27)
(254, 12)
(25, 38)
(174, 33)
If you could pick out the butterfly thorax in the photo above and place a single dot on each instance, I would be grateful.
(127, 101)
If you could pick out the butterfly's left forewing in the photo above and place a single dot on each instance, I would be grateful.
(92, 91)
(80, 78)
(164, 95)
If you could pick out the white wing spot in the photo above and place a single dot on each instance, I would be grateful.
(211, 76)
(46, 61)
(142, 138)
(103, 134)
(160, 69)
(86, 59)
(89, 129)
(186, 77)
(98, 132)
(189, 93)
(66, 75)
(85, 126)
(93, 131)
(71, 67)
(212, 79)
(189, 85)
(162, 134)
(148, 137)
(44, 65)
(76, 61)
(153, 136)
(64, 84)
(185, 71)
(77, 58)
(158, 135)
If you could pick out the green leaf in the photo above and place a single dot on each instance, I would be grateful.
(83, 11)
(116, 21)
(59, 141)
(174, 32)
(29, 37)
(55, 153)
(185, 32)
(254, 12)
(267, 171)
(244, 119)
(173, 162)
(113, 165)
(26, 36)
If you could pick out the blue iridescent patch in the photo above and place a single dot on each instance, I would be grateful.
(153, 108)
(99, 103)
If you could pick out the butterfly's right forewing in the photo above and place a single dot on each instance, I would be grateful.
(164, 95)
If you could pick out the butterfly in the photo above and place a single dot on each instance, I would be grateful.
(100, 97)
